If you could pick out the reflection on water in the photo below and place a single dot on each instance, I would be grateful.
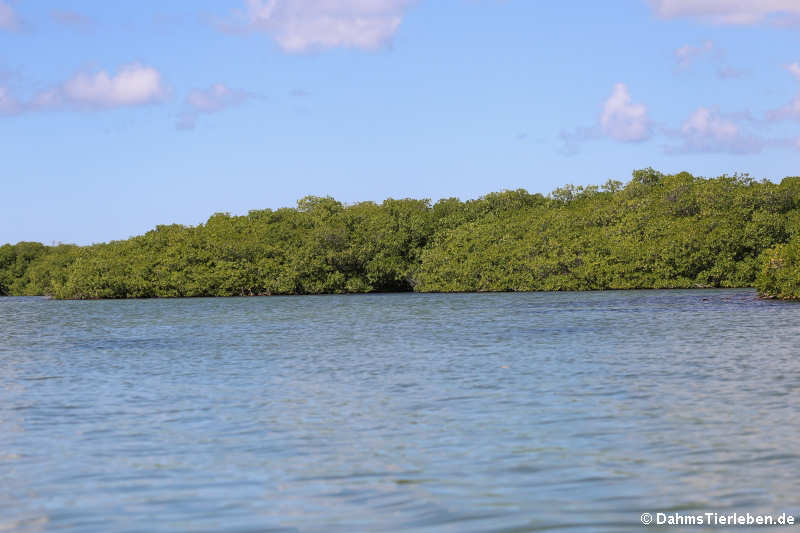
(407, 412)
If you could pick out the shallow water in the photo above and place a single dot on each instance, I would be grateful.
(397, 412)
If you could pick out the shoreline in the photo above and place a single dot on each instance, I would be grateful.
(394, 293)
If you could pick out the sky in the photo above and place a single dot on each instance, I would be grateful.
(118, 116)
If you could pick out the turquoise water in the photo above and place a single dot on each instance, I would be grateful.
(397, 412)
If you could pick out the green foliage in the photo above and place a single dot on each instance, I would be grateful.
(14, 264)
(656, 231)
(779, 276)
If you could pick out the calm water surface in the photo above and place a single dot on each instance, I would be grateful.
(405, 412)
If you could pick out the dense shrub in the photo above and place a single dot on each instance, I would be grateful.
(655, 231)
(780, 271)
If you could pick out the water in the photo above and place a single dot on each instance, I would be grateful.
(404, 412)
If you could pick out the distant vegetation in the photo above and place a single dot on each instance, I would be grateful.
(656, 231)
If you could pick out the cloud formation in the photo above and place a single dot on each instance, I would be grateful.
(622, 119)
(687, 55)
(211, 100)
(134, 84)
(730, 11)
(301, 25)
(706, 130)
(8, 19)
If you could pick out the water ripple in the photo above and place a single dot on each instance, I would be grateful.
(400, 412)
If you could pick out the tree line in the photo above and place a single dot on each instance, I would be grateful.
(656, 231)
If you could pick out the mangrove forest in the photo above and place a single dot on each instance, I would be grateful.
(656, 231)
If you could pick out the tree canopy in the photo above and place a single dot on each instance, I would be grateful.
(656, 231)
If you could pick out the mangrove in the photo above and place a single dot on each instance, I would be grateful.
(655, 231)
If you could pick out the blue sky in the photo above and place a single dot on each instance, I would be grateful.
(117, 116)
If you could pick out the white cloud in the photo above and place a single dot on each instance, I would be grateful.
(132, 85)
(300, 25)
(705, 123)
(8, 19)
(622, 119)
(211, 100)
(729, 11)
(706, 130)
